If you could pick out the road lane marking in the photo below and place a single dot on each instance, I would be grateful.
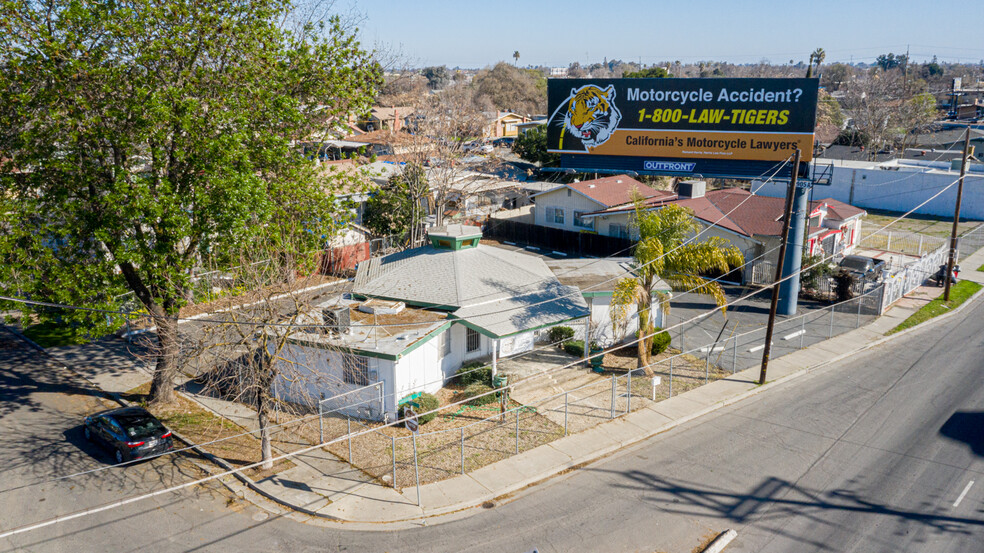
(756, 348)
(963, 493)
(793, 335)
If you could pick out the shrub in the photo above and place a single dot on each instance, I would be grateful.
(560, 334)
(661, 341)
(425, 402)
(574, 347)
(474, 373)
(478, 389)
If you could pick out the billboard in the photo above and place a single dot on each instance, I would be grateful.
(673, 125)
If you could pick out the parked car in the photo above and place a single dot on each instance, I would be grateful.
(129, 433)
(504, 142)
(477, 147)
(862, 267)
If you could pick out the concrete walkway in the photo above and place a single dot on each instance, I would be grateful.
(324, 487)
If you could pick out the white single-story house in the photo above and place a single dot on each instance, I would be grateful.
(564, 206)
(415, 317)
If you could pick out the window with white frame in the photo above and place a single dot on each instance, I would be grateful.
(583, 223)
(473, 340)
(355, 370)
(554, 215)
(618, 230)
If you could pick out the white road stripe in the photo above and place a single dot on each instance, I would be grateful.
(963, 493)
(756, 348)
(793, 335)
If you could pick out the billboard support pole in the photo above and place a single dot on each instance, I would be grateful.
(789, 289)
(767, 351)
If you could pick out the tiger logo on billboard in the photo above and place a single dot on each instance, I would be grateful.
(590, 119)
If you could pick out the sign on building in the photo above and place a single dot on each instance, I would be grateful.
(680, 125)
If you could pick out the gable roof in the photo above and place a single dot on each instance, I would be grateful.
(740, 211)
(611, 191)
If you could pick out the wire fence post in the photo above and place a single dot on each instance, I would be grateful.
(671, 377)
(462, 450)
(734, 357)
(348, 419)
(565, 413)
(393, 444)
(859, 313)
(613, 398)
(416, 471)
(707, 362)
(803, 332)
(830, 331)
(889, 245)
(628, 392)
(517, 431)
(321, 421)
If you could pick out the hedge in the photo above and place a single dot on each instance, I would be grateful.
(574, 347)
(474, 373)
(661, 341)
(560, 334)
(478, 389)
(425, 402)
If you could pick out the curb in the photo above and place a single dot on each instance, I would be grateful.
(720, 542)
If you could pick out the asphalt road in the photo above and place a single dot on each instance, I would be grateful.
(873, 454)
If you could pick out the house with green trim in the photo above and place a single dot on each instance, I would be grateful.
(415, 317)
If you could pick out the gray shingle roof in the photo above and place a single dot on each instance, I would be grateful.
(499, 290)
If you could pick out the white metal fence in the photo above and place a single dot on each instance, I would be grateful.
(906, 279)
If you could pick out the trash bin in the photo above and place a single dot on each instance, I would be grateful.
(500, 380)
(596, 360)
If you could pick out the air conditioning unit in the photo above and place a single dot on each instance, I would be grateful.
(337, 319)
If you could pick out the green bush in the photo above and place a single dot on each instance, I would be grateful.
(478, 389)
(574, 347)
(560, 334)
(661, 341)
(468, 374)
(425, 402)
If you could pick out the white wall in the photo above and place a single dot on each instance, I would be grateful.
(310, 373)
(897, 191)
(569, 203)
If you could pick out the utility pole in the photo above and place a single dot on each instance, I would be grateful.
(956, 218)
(782, 255)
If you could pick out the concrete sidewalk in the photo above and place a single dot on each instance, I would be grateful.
(322, 486)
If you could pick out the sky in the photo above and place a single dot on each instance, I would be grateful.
(477, 33)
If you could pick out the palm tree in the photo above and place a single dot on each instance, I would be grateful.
(663, 253)
(817, 56)
(516, 57)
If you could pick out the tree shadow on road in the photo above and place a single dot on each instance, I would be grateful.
(775, 500)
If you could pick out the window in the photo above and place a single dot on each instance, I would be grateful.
(617, 230)
(355, 370)
(579, 222)
(473, 340)
(553, 215)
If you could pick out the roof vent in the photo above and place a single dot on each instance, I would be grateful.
(591, 186)
(618, 181)
(337, 318)
(691, 189)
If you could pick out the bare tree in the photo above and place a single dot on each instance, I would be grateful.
(241, 354)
